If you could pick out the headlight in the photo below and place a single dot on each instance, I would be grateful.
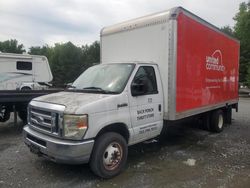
(75, 126)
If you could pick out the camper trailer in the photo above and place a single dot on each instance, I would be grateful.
(24, 72)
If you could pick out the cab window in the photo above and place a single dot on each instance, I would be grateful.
(144, 82)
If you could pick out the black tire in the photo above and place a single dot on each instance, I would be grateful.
(25, 88)
(5, 116)
(217, 121)
(228, 115)
(116, 144)
(206, 121)
(4, 113)
(23, 115)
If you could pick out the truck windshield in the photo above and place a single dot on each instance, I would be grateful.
(104, 78)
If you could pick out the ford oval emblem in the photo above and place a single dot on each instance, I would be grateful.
(40, 119)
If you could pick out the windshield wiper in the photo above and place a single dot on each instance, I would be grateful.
(70, 87)
(100, 90)
(94, 88)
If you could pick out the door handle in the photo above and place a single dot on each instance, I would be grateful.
(159, 107)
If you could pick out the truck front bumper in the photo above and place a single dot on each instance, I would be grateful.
(58, 150)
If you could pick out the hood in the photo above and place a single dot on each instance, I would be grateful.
(79, 103)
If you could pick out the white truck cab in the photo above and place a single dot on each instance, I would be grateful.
(125, 98)
(151, 71)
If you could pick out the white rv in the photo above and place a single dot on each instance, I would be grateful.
(24, 72)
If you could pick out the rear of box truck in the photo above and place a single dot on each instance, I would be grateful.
(206, 67)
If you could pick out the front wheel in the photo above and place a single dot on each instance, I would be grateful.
(109, 155)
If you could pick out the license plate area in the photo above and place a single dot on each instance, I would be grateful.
(37, 140)
(35, 149)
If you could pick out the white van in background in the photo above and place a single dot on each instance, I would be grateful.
(24, 72)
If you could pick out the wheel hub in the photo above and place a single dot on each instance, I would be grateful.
(112, 156)
(220, 123)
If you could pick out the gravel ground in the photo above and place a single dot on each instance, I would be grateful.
(188, 157)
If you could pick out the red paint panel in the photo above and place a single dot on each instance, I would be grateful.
(207, 66)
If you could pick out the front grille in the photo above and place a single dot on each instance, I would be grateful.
(44, 120)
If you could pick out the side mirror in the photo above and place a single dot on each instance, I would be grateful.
(138, 89)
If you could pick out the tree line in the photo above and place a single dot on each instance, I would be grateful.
(241, 31)
(68, 61)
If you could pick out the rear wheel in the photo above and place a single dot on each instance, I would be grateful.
(109, 155)
(217, 121)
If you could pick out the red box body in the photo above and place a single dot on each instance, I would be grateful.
(207, 65)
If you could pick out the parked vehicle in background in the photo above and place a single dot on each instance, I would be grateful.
(22, 77)
(154, 71)
(24, 72)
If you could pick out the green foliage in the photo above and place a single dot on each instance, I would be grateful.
(228, 30)
(242, 26)
(248, 77)
(44, 50)
(242, 32)
(11, 46)
(91, 53)
(65, 63)
(68, 61)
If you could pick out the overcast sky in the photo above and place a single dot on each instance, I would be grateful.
(39, 22)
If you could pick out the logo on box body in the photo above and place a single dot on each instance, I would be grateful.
(214, 62)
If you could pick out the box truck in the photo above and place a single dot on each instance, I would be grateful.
(154, 70)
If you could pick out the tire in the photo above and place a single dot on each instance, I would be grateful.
(217, 121)
(23, 115)
(4, 114)
(25, 88)
(106, 146)
(228, 115)
(206, 121)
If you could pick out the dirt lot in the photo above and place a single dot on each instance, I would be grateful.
(189, 157)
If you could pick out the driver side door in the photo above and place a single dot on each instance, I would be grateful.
(146, 103)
